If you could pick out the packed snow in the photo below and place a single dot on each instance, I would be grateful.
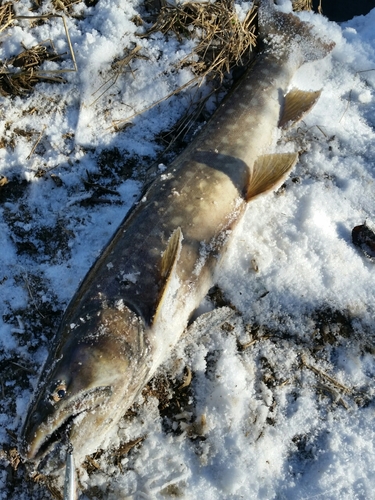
(278, 376)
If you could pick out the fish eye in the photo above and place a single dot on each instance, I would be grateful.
(59, 392)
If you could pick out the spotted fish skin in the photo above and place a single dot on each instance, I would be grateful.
(136, 300)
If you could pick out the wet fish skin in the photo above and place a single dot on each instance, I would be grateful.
(138, 297)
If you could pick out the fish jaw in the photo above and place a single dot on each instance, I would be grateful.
(45, 426)
(100, 369)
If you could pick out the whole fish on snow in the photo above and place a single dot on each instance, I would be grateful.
(136, 300)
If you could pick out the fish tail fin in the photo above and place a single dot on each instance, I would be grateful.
(287, 32)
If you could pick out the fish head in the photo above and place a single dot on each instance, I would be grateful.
(88, 383)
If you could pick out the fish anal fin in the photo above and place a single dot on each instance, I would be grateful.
(268, 172)
(297, 103)
(168, 263)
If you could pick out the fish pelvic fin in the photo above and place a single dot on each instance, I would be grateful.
(297, 103)
(168, 263)
(268, 172)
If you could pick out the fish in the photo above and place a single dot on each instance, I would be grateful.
(137, 299)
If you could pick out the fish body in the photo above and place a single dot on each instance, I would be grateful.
(136, 300)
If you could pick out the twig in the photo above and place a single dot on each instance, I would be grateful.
(351, 90)
(325, 375)
(123, 62)
(36, 143)
(117, 123)
(28, 370)
(31, 296)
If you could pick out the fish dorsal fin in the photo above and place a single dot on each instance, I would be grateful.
(168, 263)
(268, 172)
(296, 104)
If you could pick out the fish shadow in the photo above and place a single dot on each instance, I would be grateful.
(235, 168)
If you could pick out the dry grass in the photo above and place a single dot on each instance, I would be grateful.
(118, 66)
(299, 5)
(6, 15)
(223, 40)
(64, 5)
(21, 73)
(13, 82)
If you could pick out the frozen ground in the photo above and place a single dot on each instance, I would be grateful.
(281, 401)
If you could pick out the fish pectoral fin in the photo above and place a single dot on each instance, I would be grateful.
(168, 263)
(297, 103)
(268, 172)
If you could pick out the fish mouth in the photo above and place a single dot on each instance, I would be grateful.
(58, 430)
(60, 434)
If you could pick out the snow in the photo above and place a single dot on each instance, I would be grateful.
(288, 415)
